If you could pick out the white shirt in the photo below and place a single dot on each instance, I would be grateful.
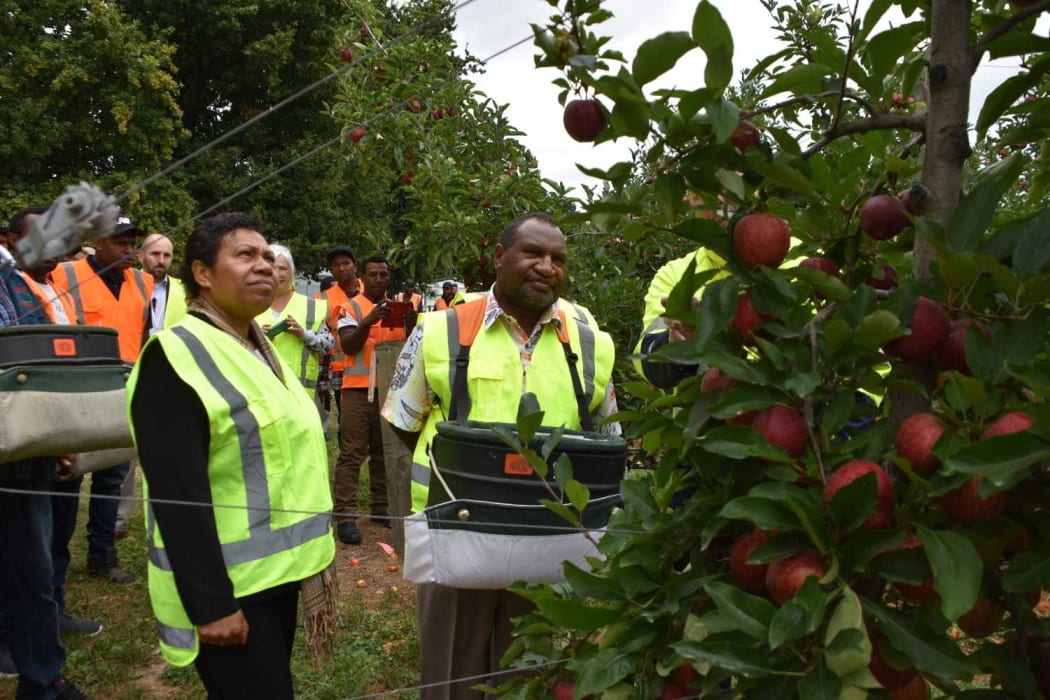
(158, 305)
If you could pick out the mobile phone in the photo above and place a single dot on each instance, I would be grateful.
(398, 309)
(277, 328)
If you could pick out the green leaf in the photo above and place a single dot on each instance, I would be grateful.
(732, 181)
(801, 78)
(885, 49)
(1027, 572)
(787, 177)
(1002, 459)
(805, 504)
(847, 646)
(752, 614)
(712, 34)
(877, 328)
(1009, 91)
(638, 496)
(659, 55)
(931, 652)
(725, 116)
(669, 190)
(820, 684)
(831, 287)
(605, 669)
(957, 569)
(726, 655)
(854, 503)
(589, 585)
(739, 442)
(579, 495)
(576, 615)
(561, 510)
(766, 514)
(630, 118)
(976, 210)
(789, 624)
(1031, 254)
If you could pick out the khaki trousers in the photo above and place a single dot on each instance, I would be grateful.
(361, 436)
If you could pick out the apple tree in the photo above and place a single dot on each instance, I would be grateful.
(852, 492)
(416, 124)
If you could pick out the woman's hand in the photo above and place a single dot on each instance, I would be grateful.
(294, 328)
(228, 631)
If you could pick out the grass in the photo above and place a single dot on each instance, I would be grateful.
(375, 649)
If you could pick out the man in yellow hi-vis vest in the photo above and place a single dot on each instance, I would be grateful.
(517, 350)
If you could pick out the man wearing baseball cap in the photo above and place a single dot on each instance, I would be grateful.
(107, 291)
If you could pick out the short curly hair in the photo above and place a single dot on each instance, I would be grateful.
(205, 241)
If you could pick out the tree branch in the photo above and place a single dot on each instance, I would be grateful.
(1009, 23)
(845, 69)
(913, 122)
(812, 99)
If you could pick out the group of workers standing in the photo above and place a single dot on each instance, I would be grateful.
(229, 370)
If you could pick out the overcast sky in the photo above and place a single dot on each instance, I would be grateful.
(487, 26)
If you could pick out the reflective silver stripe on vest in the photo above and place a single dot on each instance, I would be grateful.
(586, 350)
(73, 285)
(420, 474)
(359, 368)
(263, 541)
(141, 282)
(311, 313)
(177, 636)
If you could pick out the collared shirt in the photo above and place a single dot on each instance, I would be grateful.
(158, 305)
(410, 398)
(113, 277)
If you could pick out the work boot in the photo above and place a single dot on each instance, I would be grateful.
(69, 625)
(7, 663)
(64, 690)
(109, 567)
(347, 532)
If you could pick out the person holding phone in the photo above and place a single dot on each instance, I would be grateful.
(364, 321)
(295, 322)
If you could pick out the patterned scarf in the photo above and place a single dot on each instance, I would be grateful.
(318, 593)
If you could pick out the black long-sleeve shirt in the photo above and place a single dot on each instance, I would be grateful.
(173, 438)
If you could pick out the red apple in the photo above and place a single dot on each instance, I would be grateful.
(414, 106)
(915, 440)
(882, 217)
(914, 199)
(356, 134)
(750, 577)
(407, 179)
(951, 354)
(983, 618)
(916, 689)
(683, 675)
(674, 692)
(746, 319)
(1009, 423)
(761, 239)
(884, 278)
(923, 591)
(364, 33)
(714, 380)
(584, 119)
(347, 55)
(825, 265)
(786, 576)
(929, 328)
(745, 137)
(437, 113)
(849, 472)
(965, 503)
(784, 427)
(742, 419)
(452, 112)
(891, 678)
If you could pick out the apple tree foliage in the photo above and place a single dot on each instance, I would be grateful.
(941, 589)
(416, 125)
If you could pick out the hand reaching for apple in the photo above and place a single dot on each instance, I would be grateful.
(679, 330)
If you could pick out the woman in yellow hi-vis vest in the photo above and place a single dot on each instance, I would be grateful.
(305, 336)
(238, 508)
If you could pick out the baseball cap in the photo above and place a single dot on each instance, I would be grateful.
(125, 227)
(340, 250)
(448, 285)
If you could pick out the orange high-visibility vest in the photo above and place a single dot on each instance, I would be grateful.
(45, 298)
(95, 305)
(358, 369)
(335, 297)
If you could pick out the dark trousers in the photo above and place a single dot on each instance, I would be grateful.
(64, 511)
(464, 633)
(30, 616)
(262, 667)
(102, 512)
(361, 436)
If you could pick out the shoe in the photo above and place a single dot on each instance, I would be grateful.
(64, 690)
(382, 518)
(7, 664)
(67, 624)
(109, 567)
(348, 533)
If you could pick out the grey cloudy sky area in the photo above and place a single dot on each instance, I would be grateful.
(487, 26)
